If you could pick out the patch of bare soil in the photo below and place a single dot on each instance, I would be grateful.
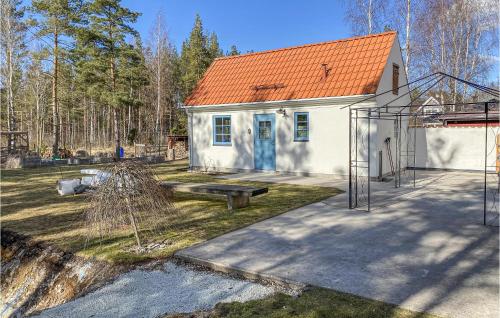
(36, 276)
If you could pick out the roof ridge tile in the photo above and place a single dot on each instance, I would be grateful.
(354, 38)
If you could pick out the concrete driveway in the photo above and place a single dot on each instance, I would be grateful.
(423, 249)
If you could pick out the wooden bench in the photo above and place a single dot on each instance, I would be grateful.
(237, 196)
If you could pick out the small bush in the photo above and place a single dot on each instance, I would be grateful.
(131, 196)
(14, 162)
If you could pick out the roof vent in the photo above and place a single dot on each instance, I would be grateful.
(326, 70)
(268, 86)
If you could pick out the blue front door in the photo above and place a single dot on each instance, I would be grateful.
(264, 142)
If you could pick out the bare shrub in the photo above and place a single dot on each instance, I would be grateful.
(131, 197)
(13, 162)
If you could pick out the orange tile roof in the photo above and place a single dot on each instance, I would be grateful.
(355, 66)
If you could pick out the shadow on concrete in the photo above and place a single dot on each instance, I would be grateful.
(427, 252)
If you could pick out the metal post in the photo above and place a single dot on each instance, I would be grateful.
(397, 131)
(380, 166)
(396, 152)
(369, 155)
(399, 153)
(356, 160)
(414, 149)
(396, 134)
(350, 158)
(485, 160)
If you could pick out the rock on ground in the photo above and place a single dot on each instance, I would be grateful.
(174, 289)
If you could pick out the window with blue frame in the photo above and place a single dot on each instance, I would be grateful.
(301, 123)
(222, 130)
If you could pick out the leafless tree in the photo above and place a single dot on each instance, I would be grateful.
(366, 16)
(12, 40)
(131, 196)
(458, 37)
(37, 90)
(159, 65)
(407, 35)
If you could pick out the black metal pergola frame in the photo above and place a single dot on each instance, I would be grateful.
(406, 118)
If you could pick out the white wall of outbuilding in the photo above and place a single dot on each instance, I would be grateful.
(326, 152)
(461, 148)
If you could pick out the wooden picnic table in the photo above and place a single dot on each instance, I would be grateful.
(237, 196)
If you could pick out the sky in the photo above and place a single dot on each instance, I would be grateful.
(256, 25)
(250, 25)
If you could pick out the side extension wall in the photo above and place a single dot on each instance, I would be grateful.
(459, 148)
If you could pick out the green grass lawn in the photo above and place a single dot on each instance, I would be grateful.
(314, 303)
(31, 206)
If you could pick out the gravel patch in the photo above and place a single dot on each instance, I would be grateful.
(174, 289)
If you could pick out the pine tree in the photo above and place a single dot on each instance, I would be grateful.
(214, 49)
(234, 51)
(197, 53)
(179, 118)
(195, 57)
(133, 77)
(110, 56)
(57, 19)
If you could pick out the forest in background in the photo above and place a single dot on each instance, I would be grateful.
(75, 73)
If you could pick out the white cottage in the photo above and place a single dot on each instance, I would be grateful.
(281, 110)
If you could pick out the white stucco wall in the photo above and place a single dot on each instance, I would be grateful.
(326, 151)
(385, 128)
(455, 148)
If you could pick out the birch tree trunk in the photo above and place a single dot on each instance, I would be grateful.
(9, 44)
(38, 115)
(407, 53)
(370, 22)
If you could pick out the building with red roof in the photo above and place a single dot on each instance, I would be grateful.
(283, 110)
